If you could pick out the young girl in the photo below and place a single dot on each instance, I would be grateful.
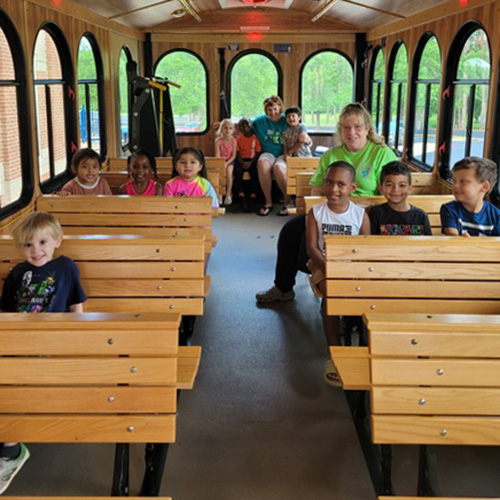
(225, 147)
(142, 167)
(189, 176)
(86, 165)
(339, 216)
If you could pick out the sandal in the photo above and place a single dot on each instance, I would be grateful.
(284, 210)
(330, 374)
(263, 211)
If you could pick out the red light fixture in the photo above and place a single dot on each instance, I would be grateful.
(464, 3)
(254, 37)
(254, 2)
(56, 2)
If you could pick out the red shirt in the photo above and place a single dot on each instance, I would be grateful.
(248, 146)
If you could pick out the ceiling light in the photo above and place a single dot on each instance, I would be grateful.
(178, 13)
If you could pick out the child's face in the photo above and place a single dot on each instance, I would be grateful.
(293, 119)
(245, 128)
(188, 166)
(466, 188)
(396, 189)
(227, 129)
(40, 248)
(140, 169)
(338, 184)
(88, 171)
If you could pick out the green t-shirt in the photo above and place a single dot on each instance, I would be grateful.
(368, 164)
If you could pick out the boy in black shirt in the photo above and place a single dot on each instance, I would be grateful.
(397, 217)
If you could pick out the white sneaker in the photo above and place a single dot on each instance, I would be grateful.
(9, 467)
(274, 294)
(229, 200)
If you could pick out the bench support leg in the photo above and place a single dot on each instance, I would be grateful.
(428, 483)
(120, 486)
(155, 458)
(186, 330)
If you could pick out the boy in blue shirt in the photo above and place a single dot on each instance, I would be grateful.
(470, 215)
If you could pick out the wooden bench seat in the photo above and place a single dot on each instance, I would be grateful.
(295, 166)
(431, 204)
(92, 378)
(412, 274)
(160, 216)
(132, 273)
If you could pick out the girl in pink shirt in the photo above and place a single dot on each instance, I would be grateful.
(225, 147)
(142, 167)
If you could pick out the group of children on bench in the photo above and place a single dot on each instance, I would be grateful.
(469, 215)
(41, 283)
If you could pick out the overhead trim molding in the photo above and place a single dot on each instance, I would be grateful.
(324, 10)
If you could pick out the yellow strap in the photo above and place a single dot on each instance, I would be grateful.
(15, 219)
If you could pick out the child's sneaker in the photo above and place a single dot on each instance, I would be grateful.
(229, 200)
(9, 467)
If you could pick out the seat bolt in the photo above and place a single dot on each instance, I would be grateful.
(358, 289)
(370, 269)
(173, 269)
(171, 306)
(443, 432)
(372, 307)
(133, 369)
(158, 287)
(130, 428)
(414, 341)
(354, 250)
(111, 399)
(158, 250)
(439, 371)
(421, 402)
(111, 341)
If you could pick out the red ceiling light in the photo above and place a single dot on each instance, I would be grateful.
(254, 2)
(254, 37)
(464, 3)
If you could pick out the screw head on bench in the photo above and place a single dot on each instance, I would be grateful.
(133, 369)
(414, 341)
(176, 207)
(358, 289)
(173, 269)
(158, 250)
(372, 307)
(354, 250)
(171, 306)
(421, 402)
(111, 341)
(130, 428)
(439, 371)
(370, 269)
(443, 432)
(185, 219)
(158, 287)
(111, 399)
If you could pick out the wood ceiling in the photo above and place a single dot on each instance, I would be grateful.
(301, 15)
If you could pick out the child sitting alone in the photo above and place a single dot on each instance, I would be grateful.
(296, 140)
(397, 217)
(470, 214)
(225, 147)
(86, 165)
(41, 283)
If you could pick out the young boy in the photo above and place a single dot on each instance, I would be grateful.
(397, 216)
(470, 215)
(337, 215)
(296, 140)
(40, 284)
(248, 149)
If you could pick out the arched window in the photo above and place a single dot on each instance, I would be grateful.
(91, 96)
(326, 86)
(190, 102)
(125, 57)
(466, 92)
(398, 78)
(425, 101)
(53, 72)
(16, 184)
(252, 77)
(377, 88)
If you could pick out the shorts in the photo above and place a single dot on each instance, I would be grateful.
(317, 276)
(273, 160)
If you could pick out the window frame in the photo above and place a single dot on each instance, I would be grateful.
(242, 54)
(417, 59)
(99, 82)
(68, 86)
(23, 115)
(207, 85)
(304, 64)
(495, 145)
(124, 147)
(450, 82)
(380, 86)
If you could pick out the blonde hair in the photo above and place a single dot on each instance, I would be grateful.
(33, 224)
(221, 124)
(272, 100)
(358, 109)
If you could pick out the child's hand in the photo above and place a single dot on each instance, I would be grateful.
(466, 234)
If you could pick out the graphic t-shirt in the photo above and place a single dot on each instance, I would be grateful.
(198, 187)
(484, 223)
(291, 136)
(269, 134)
(53, 287)
(385, 220)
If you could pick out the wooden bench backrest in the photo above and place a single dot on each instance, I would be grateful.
(412, 274)
(431, 204)
(95, 378)
(299, 166)
(132, 273)
(164, 166)
(144, 215)
(434, 379)
(423, 183)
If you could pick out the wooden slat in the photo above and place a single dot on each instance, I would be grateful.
(143, 288)
(427, 430)
(128, 221)
(102, 399)
(436, 400)
(192, 306)
(88, 429)
(353, 367)
(188, 363)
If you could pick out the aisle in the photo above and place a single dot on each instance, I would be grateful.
(260, 423)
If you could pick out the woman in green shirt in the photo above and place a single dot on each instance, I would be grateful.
(367, 153)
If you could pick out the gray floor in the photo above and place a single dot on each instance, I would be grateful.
(260, 423)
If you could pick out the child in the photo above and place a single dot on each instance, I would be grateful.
(225, 147)
(86, 165)
(470, 215)
(189, 176)
(296, 140)
(40, 284)
(247, 153)
(337, 215)
(397, 216)
(142, 167)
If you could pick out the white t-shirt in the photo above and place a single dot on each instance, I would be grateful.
(328, 222)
